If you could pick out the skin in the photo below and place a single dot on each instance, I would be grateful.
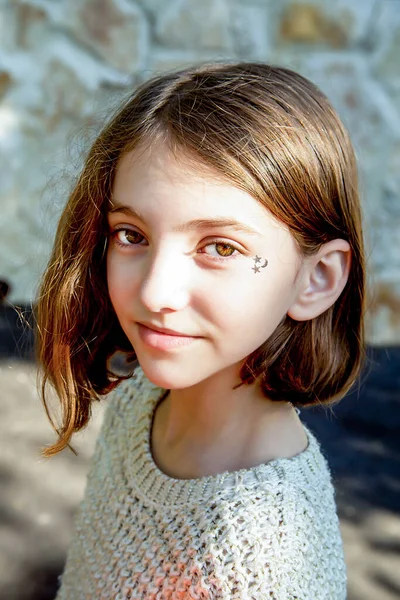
(179, 280)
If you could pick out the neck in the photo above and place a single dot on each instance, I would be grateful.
(211, 426)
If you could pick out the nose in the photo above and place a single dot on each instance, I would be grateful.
(165, 285)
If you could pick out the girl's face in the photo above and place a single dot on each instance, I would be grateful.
(189, 253)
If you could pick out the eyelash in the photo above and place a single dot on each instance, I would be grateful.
(114, 233)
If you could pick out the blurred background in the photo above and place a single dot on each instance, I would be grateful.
(64, 66)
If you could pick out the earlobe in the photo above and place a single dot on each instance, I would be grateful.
(324, 278)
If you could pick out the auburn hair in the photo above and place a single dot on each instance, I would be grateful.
(264, 129)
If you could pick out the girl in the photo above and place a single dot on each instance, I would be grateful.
(215, 237)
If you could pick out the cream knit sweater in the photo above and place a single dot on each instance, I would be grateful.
(269, 532)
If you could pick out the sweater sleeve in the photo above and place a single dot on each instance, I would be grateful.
(277, 545)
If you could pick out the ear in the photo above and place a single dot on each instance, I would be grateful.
(323, 278)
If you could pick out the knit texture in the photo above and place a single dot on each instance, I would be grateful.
(270, 531)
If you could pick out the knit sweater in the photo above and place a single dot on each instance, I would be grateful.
(270, 531)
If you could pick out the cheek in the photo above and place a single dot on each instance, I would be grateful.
(120, 282)
(250, 307)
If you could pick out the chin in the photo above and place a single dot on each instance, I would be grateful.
(168, 376)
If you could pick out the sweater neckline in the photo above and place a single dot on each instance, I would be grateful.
(159, 488)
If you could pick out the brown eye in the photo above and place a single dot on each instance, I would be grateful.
(224, 249)
(127, 237)
(218, 249)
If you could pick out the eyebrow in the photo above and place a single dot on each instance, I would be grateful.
(194, 224)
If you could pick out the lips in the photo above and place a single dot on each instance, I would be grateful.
(164, 340)
(165, 330)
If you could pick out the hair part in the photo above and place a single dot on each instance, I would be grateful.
(266, 130)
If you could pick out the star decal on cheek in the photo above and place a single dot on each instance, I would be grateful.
(258, 259)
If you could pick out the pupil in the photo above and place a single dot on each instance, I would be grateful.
(132, 236)
(226, 249)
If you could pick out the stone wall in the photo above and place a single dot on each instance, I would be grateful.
(65, 63)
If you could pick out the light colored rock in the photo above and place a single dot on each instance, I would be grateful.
(307, 23)
(191, 24)
(384, 314)
(360, 15)
(5, 83)
(387, 67)
(391, 184)
(115, 30)
(152, 7)
(339, 24)
(365, 109)
(251, 31)
(90, 71)
(166, 59)
(32, 24)
(9, 25)
(385, 34)
(32, 201)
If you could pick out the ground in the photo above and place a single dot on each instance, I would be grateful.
(39, 497)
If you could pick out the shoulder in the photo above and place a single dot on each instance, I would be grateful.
(284, 542)
(285, 532)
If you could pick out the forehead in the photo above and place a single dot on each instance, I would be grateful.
(153, 177)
